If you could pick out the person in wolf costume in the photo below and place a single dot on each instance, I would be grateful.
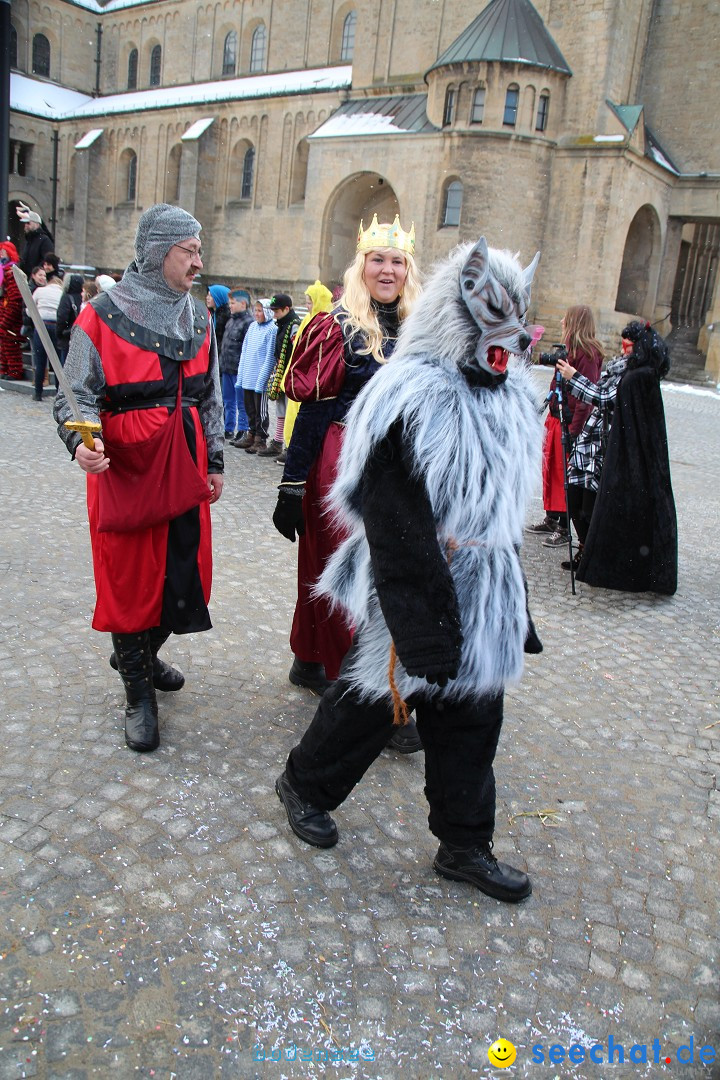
(435, 473)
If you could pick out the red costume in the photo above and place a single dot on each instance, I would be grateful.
(157, 576)
(327, 372)
(11, 308)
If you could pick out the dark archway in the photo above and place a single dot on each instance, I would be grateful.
(641, 265)
(356, 198)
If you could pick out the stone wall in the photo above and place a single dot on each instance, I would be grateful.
(558, 191)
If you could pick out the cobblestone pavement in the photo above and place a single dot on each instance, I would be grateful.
(159, 919)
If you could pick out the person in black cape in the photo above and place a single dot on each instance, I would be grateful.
(632, 541)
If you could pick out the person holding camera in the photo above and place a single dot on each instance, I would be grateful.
(581, 349)
(588, 451)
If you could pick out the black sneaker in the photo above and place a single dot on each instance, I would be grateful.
(310, 824)
(479, 866)
(547, 525)
(558, 539)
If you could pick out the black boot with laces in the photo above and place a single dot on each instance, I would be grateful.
(478, 865)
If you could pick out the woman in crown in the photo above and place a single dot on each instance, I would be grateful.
(338, 354)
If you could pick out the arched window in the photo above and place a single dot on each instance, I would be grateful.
(449, 110)
(542, 112)
(453, 203)
(347, 47)
(512, 98)
(132, 178)
(41, 56)
(257, 49)
(129, 173)
(478, 106)
(247, 174)
(172, 174)
(229, 65)
(132, 70)
(72, 171)
(13, 46)
(299, 173)
(155, 65)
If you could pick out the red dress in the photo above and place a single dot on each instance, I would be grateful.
(326, 374)
(159, 576)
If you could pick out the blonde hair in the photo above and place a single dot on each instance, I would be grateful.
(358, 302)
(580, 331)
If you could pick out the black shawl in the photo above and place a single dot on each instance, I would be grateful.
(632, 542)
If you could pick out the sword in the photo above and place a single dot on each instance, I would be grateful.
(86, 428)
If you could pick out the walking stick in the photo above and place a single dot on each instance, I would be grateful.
(562, 401)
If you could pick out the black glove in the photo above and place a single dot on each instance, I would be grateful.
(436, 674)
(437, 657)
(288, 517)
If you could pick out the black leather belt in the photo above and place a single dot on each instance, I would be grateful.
(153, 403)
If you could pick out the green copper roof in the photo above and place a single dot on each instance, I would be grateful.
(506, 30)
(628, 115)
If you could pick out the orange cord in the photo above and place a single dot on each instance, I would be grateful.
(401, 714)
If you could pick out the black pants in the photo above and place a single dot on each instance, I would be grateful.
(460, 739)
(581, 501)
(256, 407)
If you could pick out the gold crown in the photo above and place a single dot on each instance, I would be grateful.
(386, 236)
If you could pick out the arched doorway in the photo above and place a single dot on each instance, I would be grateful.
(641, 265)
(358, 197)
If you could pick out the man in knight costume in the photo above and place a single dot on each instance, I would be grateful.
(143, 361)
(436, 471)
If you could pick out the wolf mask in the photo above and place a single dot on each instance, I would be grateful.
(496, 291)
(472, 312)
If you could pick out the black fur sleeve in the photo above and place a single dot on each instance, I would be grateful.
(412, 577)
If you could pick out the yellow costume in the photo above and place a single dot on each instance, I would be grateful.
(321, 301)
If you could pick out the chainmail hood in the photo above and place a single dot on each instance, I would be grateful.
(143, 294)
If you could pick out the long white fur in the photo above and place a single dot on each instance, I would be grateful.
(478, 450)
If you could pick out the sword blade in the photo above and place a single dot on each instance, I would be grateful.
(32, 310)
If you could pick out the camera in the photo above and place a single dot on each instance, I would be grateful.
(550, 359)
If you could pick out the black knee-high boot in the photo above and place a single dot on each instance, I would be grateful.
(165, 677)
(135, 664)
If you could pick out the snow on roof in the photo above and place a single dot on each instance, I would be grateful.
(56, 103)
(89, 139)
(357, 124)
(403, 114)
(195, 130)
(659, 157)
(43, 98)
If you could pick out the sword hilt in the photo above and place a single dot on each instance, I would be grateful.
(87, 429)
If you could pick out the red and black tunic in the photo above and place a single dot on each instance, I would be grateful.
(158, 576)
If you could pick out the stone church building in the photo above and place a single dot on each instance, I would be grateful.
(586, 129)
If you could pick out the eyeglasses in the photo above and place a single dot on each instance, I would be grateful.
(195, 252)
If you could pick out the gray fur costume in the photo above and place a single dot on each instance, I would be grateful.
(470, 438)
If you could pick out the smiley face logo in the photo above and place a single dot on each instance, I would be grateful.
(502, 1053)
